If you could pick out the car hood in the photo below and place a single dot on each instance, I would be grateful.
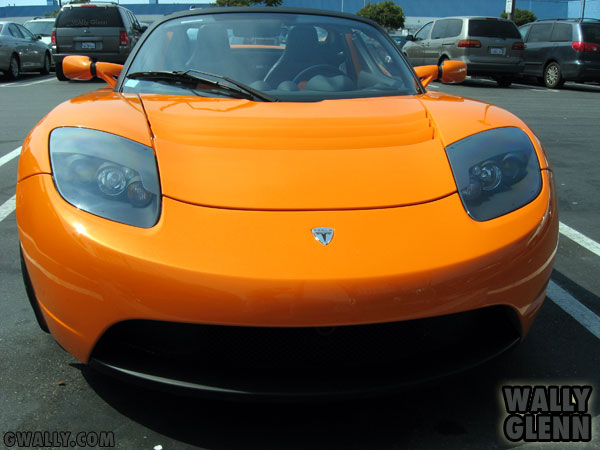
(337, 154)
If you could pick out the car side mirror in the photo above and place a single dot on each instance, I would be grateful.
(450, 72)
(77, 67)
(410, 37)
(37, 37)
(143, 28)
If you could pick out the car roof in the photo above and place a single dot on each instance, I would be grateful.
(266, 9)
(499, 19)
(97, 3)
(42, 19)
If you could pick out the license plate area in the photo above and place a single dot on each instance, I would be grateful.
(88, 45)
(497, 51)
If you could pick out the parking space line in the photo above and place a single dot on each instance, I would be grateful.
(8, 207)
(10, 156)
(20, 84)
(581, 239)
(574, 308)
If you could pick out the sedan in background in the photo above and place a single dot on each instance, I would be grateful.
(21, 51)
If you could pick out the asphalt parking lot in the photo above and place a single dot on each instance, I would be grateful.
(42, 388)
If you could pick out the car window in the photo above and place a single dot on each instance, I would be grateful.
(493, 28)
(523, 30)
(423, 32)
(446, 28)
(89, 16)
(39, 27)
(591, 32)
(26, 33)
(454, 27)
(322, 57)
(12, 28)
(562, 32)
(540, 32)
(439, 29)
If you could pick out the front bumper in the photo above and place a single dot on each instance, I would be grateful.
(215, 266)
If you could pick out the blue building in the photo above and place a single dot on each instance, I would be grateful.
(412, 8)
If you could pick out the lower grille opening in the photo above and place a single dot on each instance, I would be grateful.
(305, 359)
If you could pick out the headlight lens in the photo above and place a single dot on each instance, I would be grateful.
(106, 175)
(496, 172)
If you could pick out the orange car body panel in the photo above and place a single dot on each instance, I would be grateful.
(235, 249)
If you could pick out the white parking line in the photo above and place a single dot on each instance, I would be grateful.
(574, 308)
(581, 239)
(10, 156)
(8, 207)
(21, 84)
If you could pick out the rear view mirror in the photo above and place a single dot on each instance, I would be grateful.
(450, 72)
(77, 67)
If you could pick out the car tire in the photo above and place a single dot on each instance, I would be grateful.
(45, 70)
(58, 70)
(553, 76)
(503, 82)
(14, 68)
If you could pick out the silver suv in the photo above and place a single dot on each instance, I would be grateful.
(490, 46)
(103, 31)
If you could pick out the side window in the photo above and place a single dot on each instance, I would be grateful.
(562, 32)
(454, 28)
(439, 29)
(540, 32)
(523, 30)
(26, 33)
(15, 31)
(126, 19)
(423, 33)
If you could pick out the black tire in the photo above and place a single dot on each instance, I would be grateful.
(14, 68)
(553, 76)
(503, 82)
(45, 70)
(58, 70)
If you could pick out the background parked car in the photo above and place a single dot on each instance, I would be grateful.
(21, 51)
(559, 50)
(399, 40)
(490, 46)
(103, 31)
(42, 27)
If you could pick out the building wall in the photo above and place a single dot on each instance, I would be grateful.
(592, 9)
(416, 8)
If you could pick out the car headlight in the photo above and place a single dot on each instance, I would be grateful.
(106, 175)
(496, 172)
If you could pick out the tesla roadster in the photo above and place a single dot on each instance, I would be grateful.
(269, 202)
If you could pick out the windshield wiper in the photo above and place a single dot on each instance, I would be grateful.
(234, 87)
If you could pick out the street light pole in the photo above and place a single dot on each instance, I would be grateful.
(510, 9)
(583, 9)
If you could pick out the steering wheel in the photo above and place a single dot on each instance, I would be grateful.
(317, 69)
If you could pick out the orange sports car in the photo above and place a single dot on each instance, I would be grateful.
(268, 202)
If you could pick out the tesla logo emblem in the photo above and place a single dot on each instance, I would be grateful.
(323, 234)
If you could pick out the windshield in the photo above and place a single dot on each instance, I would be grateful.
(291, 57)
(41, 28)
